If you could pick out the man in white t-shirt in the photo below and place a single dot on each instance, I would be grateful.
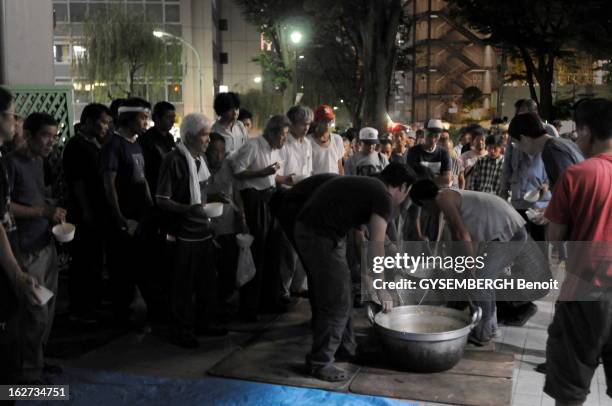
(327, 147)
(255, 165)
(227, 108)
(367, 161)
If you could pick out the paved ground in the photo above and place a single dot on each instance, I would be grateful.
(145, 355)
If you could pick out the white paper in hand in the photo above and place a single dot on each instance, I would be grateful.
(43, 294)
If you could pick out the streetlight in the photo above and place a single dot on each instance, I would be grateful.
(296, 37)
(162, 34)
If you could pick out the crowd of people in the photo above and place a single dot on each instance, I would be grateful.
(309, 197)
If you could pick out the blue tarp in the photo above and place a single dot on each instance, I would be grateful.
(91, 388)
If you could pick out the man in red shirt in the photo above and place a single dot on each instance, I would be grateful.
(581, 210)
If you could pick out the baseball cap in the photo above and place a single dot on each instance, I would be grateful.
(434, 125)
(324, 113)
(369, 135)
(412, 134)
(400, 127)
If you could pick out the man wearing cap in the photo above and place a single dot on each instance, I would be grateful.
(127, 195)
(404, 138)
(431, 155)
(327, 147)
(367, 161)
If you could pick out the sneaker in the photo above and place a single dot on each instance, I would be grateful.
(479, 342)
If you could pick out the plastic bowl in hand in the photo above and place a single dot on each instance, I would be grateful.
(532, 196)
(213, 210)
(64, 232)
(244, 240)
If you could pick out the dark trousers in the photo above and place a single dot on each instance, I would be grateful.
(156, 264)
(85, 272)
(259, 221)
(122, 260)
(11, 362)
(193, 292)
(227, 263)
(538, 233)
(329, 281)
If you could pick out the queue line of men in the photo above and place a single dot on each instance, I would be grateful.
(247, 176)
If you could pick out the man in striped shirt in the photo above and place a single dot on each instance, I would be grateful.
(487, 172)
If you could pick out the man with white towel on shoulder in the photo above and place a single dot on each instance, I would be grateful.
(181, 195)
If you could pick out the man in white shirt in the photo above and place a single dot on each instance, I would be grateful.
(296, 154)
(296, 164)
(227, 108)
(255, 165)
(327, 147)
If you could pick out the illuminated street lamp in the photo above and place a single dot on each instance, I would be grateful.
(296, 37)
(163, 34)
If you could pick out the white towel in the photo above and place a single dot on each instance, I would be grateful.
(195, 176)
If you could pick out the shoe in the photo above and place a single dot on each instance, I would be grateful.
(479, 342)
(541, 368)
(329, 373)
(52, 369)
(285, 300)
(212, 332)
(185, 340)
(521, 315)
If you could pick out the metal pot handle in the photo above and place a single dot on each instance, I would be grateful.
(476, 316)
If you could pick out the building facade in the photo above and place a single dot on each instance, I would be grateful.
(448, 59)
(26, 37)
(225, 44)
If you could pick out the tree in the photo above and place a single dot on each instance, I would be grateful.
(539, 32)
(120, 50)
(276, 19)
(355, 46)
(372, 27)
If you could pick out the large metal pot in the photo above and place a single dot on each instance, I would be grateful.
(423, 338)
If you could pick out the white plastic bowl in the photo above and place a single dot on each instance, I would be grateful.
(532, 196)
(244, 240)
(213, 210)
(64, 232)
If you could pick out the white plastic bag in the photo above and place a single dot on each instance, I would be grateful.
(246, 265)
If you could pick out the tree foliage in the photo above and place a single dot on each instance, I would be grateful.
(539, 32)
(121, 51)
(353, 50)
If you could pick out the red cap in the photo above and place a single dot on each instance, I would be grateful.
(324, 113)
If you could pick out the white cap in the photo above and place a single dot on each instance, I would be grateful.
(369, 135)
(435, 125)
